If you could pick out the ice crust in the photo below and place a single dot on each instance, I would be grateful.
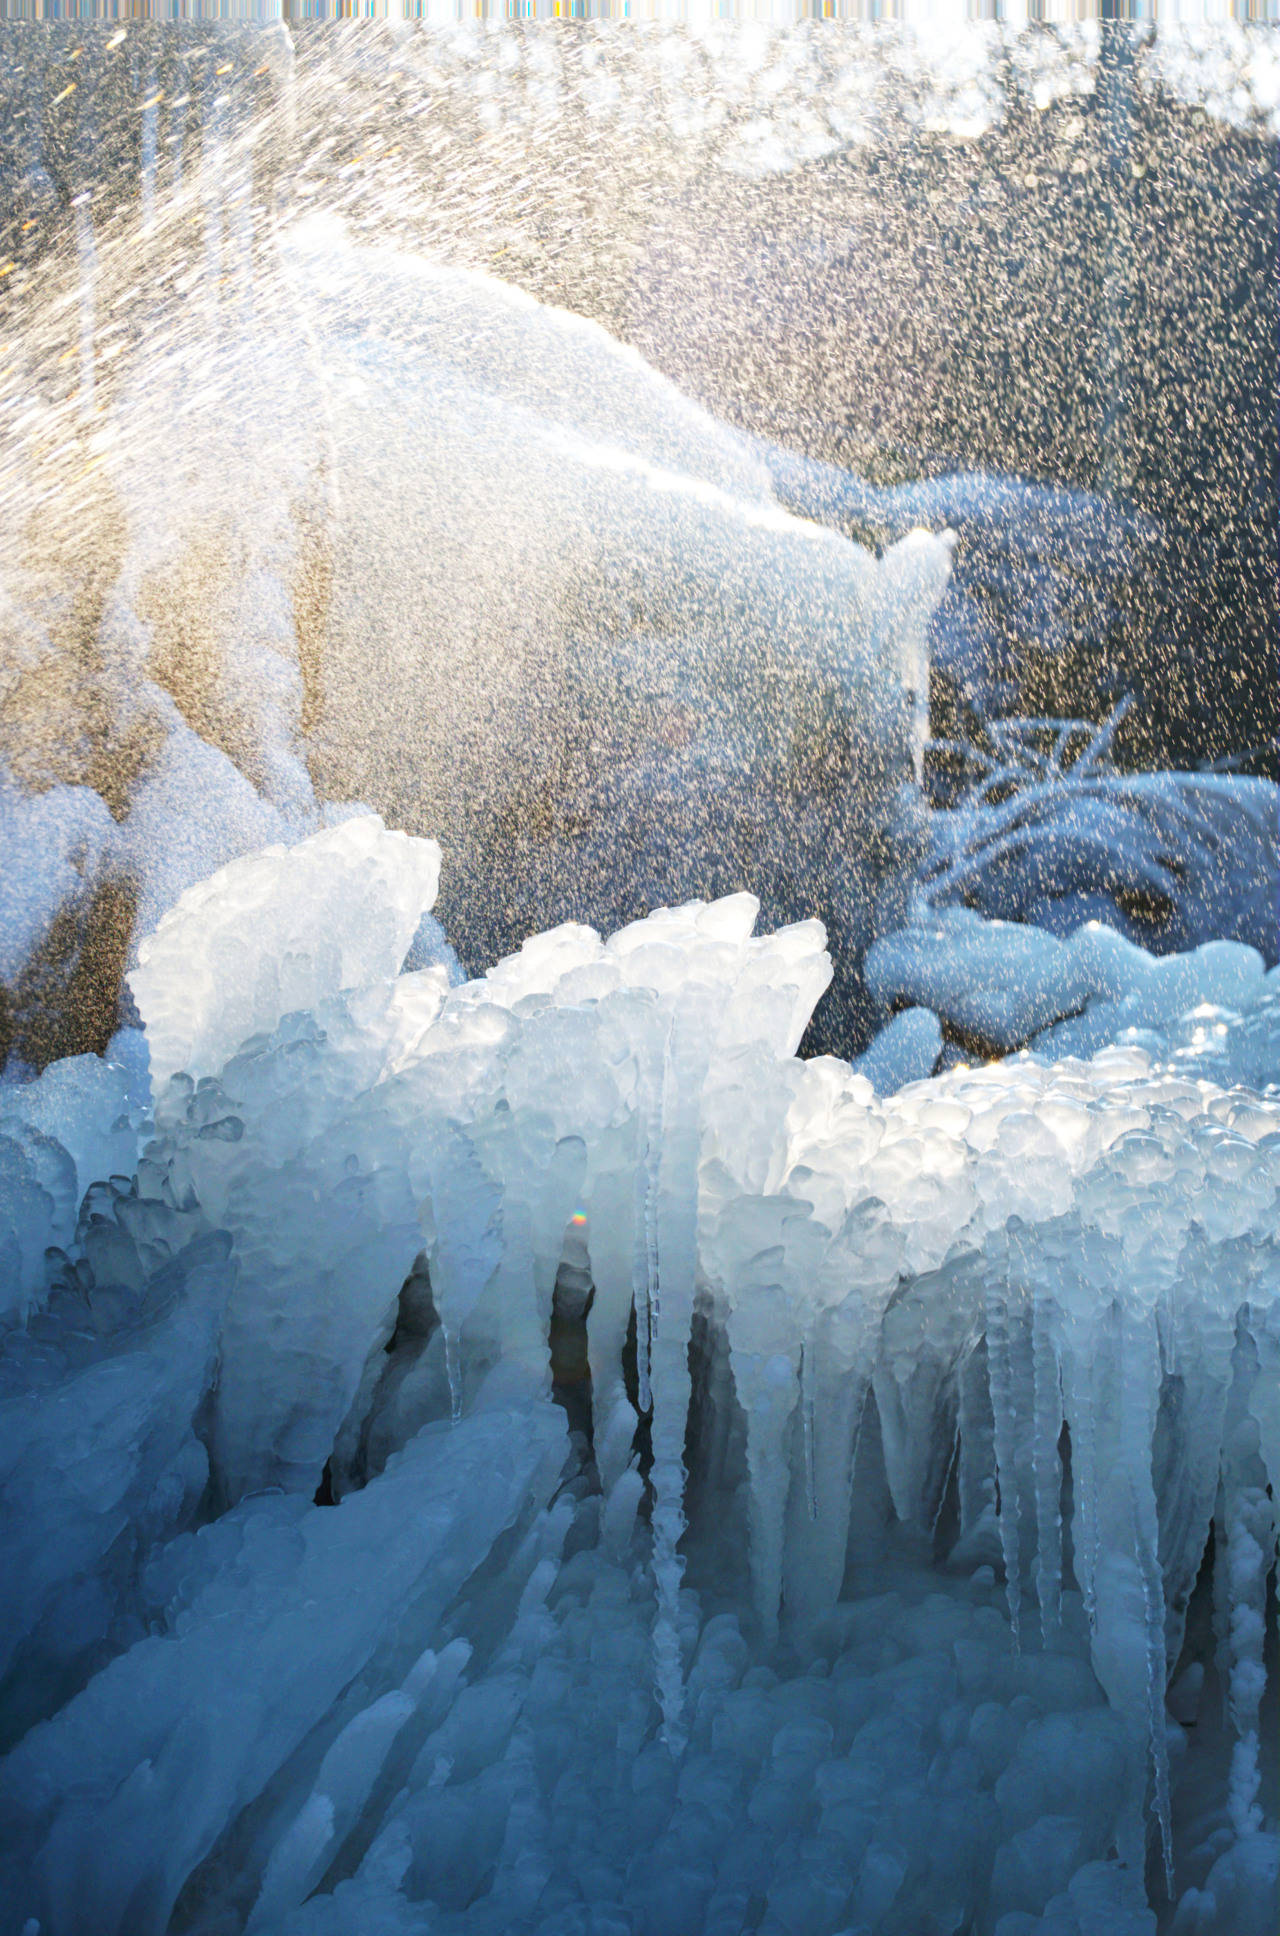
(843, 1594)
(1007, 984)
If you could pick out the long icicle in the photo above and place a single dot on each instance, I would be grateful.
(1001, 1377)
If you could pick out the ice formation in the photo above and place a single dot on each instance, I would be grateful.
(841, 1587)
(1006, 985)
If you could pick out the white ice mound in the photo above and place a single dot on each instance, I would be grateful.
(277, 932)
(835, 1360)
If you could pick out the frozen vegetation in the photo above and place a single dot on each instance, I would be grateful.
(535, 1455)
(1053, 835)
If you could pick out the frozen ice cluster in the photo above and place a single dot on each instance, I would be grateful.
(537, 1456)
(1001, 985)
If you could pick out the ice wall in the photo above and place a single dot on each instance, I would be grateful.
(1022, 1319)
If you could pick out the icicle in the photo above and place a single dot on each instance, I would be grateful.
(1077, 1323)
(952, 1463)
(817, 1543)
(1246, 1565)
(806, 1423)
(1113, 1397)
(452, 1370)
(1153, 1602)
(611, 1247)
(768, 1387)
(647, 1286)
(1264, 1398)
(673, 1260)
(1243, 1559)
(999, 1361)
(1139, 1397)
(1048, 1468)
(462, 1227)
(975, 1430)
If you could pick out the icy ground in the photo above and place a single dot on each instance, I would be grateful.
(760, 1506)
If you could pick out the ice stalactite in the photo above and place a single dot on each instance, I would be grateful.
(647, 1279)
(975, 1427)
(1003, 1406)
(1047, 1431)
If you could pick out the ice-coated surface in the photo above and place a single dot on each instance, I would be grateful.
(897, 1431)
(99, 1455)
(1009, 985)
(411, 1540)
